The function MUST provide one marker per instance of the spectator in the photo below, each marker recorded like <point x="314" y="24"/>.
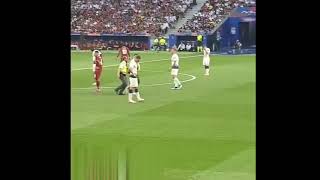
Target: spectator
<point x="211" y="14"/>
<point x="194" y="2"/>
<point x="188" y="47"/>
<point x="162" y="43"/>
<point x="181" y="46"/>
<point x="126" y="16"/>
<point x="156" y="44"/>
<point x="217" y="42"/>
<point x="238" y="46"/>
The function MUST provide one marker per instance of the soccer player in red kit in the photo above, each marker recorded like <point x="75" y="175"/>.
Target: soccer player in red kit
<point x="123" y="53"/>
<point x="93" y="51"/>
<point x="97" y="68"/>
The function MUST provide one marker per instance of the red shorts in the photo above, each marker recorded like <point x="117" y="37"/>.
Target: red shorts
<point x="97" y="74"/>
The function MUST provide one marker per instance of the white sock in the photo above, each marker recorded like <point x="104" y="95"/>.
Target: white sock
<point x="177" y="81"/>
<point x="207" y="71"/>
<point x="138" y="95"/>
<point x="130" y="96"/>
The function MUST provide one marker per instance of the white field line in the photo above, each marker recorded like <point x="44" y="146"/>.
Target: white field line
<point x="147" y="85"/>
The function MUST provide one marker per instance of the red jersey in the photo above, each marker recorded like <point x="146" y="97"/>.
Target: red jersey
<point x="97" y="60"/>
<point x="124" y="52"/>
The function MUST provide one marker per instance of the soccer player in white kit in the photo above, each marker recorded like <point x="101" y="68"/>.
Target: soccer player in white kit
<point x="175" y="69"/>
<point x="133" y="80"/>
<point x="206" y="60"/>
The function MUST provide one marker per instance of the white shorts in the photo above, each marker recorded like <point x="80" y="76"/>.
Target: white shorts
<point x="174" y="72"/>
<point x="133" y="82"/>
<point x="206" y="62"/>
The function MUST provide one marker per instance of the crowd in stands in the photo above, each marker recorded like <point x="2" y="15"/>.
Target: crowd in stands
<point x="211" y="14"/>
<point x="110" y="45"/>
<point x="126" y="16"/>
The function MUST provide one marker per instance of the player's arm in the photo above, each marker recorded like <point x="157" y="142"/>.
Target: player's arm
<point x="139" y="67"/>
<point x="101" y="62"/>
<point x="94" y="64"/>
<point x="101" y="57"/>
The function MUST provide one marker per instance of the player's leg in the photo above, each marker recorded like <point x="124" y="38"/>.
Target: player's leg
<point x="136" y="90"/>
<point x="206" y="64"/>
<point x="135" y="86"/>
<point x="173" y="74"/>
<point x="119" y="90"/>
<point x="123" y="86"/>
<point x="206" y="70"/>
<point x="98" y="74"/>
<point x="94" y="79"/>
<point x="130" y="94"/>
<point x="176" y="81"/>
<point x="131" y="90"/>
<point x="116" y="90"/>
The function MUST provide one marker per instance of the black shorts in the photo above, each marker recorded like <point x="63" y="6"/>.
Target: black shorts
<point x="199" y="43"/>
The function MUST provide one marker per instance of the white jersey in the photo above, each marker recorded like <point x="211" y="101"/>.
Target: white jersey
<point x="133" y="67"/>
<point x="94" y="59"/>
<point x="175" y="61"/>
<point x="206" y="57"/>
<point x="94" y="51"/>
<point x="206" y="53"/>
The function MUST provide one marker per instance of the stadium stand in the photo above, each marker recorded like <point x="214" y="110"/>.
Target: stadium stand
<point x="211" y="14"/>
<point x="126" y="16"/>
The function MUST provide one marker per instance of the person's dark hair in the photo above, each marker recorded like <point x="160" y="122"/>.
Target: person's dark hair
<point x="138" y="57"/>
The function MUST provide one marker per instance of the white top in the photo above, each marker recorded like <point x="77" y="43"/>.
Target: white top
<point x="181" y="46"/>
<point x="206" y="53"/>
<point x="175" y="60"/>
<point x="94" y="51"/>
<point x="133" y="67"/>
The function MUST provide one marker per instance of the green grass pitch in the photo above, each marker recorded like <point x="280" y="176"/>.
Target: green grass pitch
<point x="205" y="131"/>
